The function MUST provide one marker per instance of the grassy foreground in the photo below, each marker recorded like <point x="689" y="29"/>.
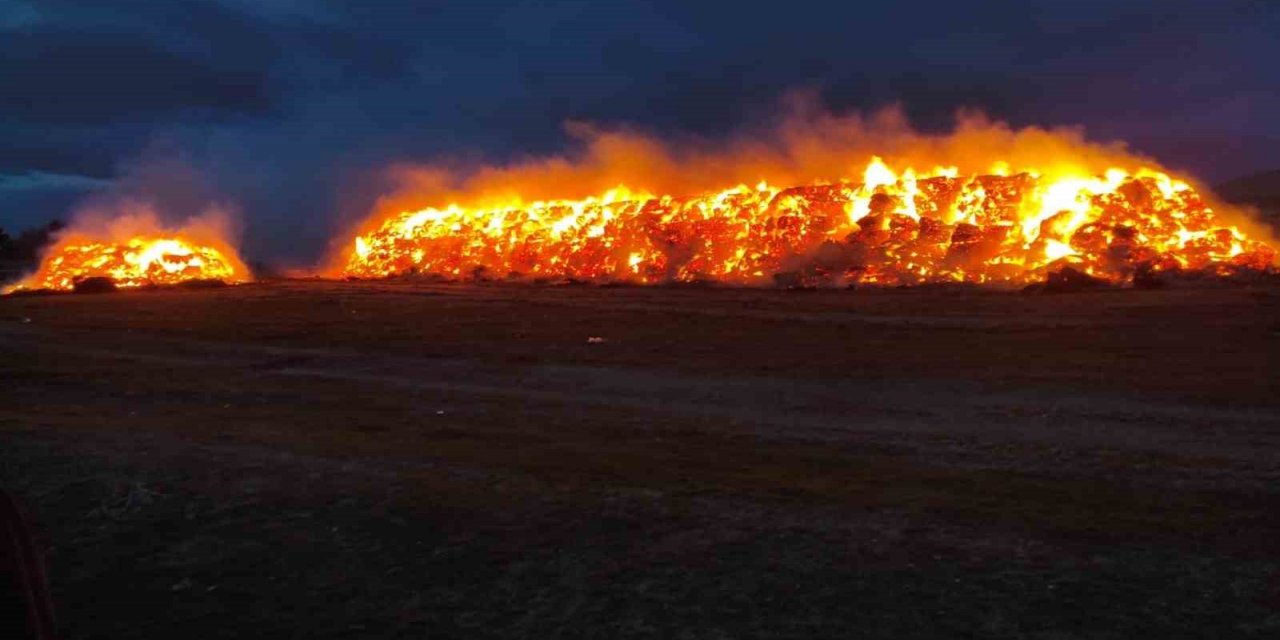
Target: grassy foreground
<point x="322" y="459"/>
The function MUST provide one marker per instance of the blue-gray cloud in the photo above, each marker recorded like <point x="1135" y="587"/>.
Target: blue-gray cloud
<point x="42" y="181"/>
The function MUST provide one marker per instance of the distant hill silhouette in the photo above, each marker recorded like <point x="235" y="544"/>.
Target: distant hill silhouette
<point x="1261" y="190"/>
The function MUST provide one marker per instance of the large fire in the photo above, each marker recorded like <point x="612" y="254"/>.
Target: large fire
<point x="134" y="262"/>
<point x="888" y="228"/>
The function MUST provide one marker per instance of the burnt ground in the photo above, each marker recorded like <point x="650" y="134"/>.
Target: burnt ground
<point x="320" y="459"/>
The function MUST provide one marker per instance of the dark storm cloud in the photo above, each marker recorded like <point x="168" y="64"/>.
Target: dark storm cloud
<point x="288" y="106"/>
<point x="64" y="62"/>
<point x="87" y="87"/>
<point x="67" y="77"/>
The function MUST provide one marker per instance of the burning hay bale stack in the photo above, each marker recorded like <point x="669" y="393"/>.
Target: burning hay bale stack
<point x="90" y="266"/>
<point x="888" y="230"/>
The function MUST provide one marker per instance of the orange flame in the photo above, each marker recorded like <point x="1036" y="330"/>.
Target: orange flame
<point x="134" y="250"/>
<point x="891" y="228"/>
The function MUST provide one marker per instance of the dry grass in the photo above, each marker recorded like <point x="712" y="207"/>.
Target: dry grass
<point x="394" y="459"/>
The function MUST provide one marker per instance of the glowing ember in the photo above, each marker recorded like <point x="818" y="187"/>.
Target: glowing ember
<point x="136" y="262"/>
<point x="890" y="228"/>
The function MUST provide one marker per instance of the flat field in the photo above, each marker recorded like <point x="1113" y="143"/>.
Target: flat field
<point x="327" y="459"/>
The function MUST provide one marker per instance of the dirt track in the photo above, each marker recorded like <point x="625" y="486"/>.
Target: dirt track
<point x="383" y="459"/>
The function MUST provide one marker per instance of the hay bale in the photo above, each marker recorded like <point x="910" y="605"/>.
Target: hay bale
<point x="96" y="284"/>
<point x="1071" y="280"/>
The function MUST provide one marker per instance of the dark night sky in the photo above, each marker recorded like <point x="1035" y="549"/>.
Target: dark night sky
<point x="281" y="106"/>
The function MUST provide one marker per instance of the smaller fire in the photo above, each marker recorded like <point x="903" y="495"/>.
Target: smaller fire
<point x="138" y="261"/>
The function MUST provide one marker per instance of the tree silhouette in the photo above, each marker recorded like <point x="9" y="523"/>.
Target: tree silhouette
<point x="24" y="250"/>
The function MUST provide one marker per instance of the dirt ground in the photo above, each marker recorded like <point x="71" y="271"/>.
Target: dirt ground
<point x="322" y="459"/>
